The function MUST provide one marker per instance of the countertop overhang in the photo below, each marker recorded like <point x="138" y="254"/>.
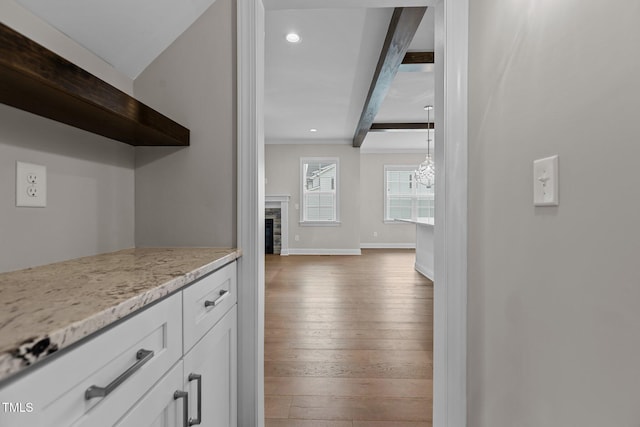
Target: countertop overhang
<point x="48" y="308"/>
<point x="417" y="221"/>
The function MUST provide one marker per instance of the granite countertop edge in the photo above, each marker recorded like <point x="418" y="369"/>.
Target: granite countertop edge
<point x="13" y="361"/>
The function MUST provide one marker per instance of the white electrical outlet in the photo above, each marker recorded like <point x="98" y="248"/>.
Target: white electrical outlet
<point x="375" y="234"/>
<point x="31" y="185"/>
<point x="296" y="238"/>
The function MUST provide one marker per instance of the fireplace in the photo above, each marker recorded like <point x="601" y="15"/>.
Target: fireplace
<point x="268" y="236"/>
<point x="273" y="215"/>
<point x="277" y="208"/>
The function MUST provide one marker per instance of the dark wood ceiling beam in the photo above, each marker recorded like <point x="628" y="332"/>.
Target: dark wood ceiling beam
<point x="37" y="80"/>
<point x="401" y="127"/>
<point x="418" y="58"/>
<point x="415" y="62"/>
<point x="402" y="28"/>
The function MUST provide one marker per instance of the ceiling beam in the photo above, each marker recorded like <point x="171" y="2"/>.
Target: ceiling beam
<point x="402" y="28"/>
<point x="418" y="58"/>
<point x="415" y="62"/>
<point x="401" y="127"/>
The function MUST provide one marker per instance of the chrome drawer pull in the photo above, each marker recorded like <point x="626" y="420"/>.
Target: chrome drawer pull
<point x="223" y="295"/>
<point x="143" y="357"/>
<point x="197" y="377"/>
<point x="185" y="406"/>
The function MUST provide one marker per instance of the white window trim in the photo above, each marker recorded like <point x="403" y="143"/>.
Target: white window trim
<point x="384" y="192"/>
<point x="301" y="177"/>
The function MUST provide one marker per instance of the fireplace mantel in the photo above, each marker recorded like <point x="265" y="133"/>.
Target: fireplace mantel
<point x="281" y="201"/>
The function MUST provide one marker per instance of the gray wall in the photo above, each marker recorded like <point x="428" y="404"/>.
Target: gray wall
<point x="282" y="171"/>
<point x="553" y="292"/>
<point x="187" y="196"/>
<point x="372" y="200"/>
<point x="90" y="207"/>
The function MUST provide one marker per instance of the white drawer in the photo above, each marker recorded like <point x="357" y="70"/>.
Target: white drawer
<point x="206" y="301"/>
<point x="57" y="389"/>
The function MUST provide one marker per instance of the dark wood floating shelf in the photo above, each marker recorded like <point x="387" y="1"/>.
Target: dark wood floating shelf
<point x="34" y="79"/>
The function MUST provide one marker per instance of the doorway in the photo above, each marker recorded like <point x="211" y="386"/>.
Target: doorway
<point x="450" y="234"/>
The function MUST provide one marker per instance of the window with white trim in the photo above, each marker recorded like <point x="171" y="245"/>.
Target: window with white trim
<point x="404" y="197"/>
<point x="319" y="193"/>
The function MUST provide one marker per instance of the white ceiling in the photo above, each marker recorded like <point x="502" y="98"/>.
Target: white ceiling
<point x="128" y="34"/>
<point x="322" y="81"/>
<point x="405" y="101"/>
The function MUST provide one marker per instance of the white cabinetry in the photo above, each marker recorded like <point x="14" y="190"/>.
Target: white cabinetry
<point x="57" y="389"/>
<point x="210" y="343"/>
<point x="214" y="359"/>
<point x="206" y="301"/>
<point x="129" y="374"/>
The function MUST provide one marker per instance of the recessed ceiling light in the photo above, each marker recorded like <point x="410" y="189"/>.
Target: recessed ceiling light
<point x="293" y="38"/>
<point x="313" y="130"/>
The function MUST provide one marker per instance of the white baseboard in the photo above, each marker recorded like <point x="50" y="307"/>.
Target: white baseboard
<point x="387" y="245"/>
<point x="300" y="251"/>
<point x="426" y="272"/>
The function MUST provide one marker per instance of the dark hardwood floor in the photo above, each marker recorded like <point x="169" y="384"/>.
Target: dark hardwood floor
<point x="348" y="341"/>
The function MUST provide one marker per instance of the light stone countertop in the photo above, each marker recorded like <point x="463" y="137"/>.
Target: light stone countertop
<point x="45" y="309"/>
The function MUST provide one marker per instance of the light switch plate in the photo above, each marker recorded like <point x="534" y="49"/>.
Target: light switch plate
<point x="545" y="181"/>
<point x="31" y="185"/>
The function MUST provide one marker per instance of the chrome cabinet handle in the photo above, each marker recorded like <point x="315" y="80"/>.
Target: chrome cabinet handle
<point x="223" y="294"/>
<point x="185" y="406"/>
<point x="143" y="357"/>
<point x="198" y="420"/>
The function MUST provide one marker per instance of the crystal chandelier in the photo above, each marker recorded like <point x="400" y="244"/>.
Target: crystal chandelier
<point x="425" y="174"/>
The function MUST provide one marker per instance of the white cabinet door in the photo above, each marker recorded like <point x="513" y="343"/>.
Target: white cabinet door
<point x="159" y="407"/>
<point x="214" y="359"/>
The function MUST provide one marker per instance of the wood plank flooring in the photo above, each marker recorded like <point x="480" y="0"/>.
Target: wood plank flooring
<point x="348" y="341"/>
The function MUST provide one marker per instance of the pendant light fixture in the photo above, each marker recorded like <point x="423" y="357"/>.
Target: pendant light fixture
<point x="425" y="174"/>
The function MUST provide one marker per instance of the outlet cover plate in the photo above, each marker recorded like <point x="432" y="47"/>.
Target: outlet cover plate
<point x="545" y="181"/>
<point x="31" y="185"/>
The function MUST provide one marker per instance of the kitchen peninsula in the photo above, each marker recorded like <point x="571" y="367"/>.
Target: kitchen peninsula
<point x="424" y="245"/>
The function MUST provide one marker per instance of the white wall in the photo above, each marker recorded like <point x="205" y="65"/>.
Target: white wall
<point x="90" y="178"/>
<point x="282" y="171"/>
<point x="372" y="201"/>
<point x="553" y="321"/>
<point x="187" y="196"/>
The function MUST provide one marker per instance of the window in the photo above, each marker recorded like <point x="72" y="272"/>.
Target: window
<point x="319" y="190"/>
<point x="404" y="197"/>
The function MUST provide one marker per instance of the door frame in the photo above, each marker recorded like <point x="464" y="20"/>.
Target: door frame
<point x="450" y="239"/>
